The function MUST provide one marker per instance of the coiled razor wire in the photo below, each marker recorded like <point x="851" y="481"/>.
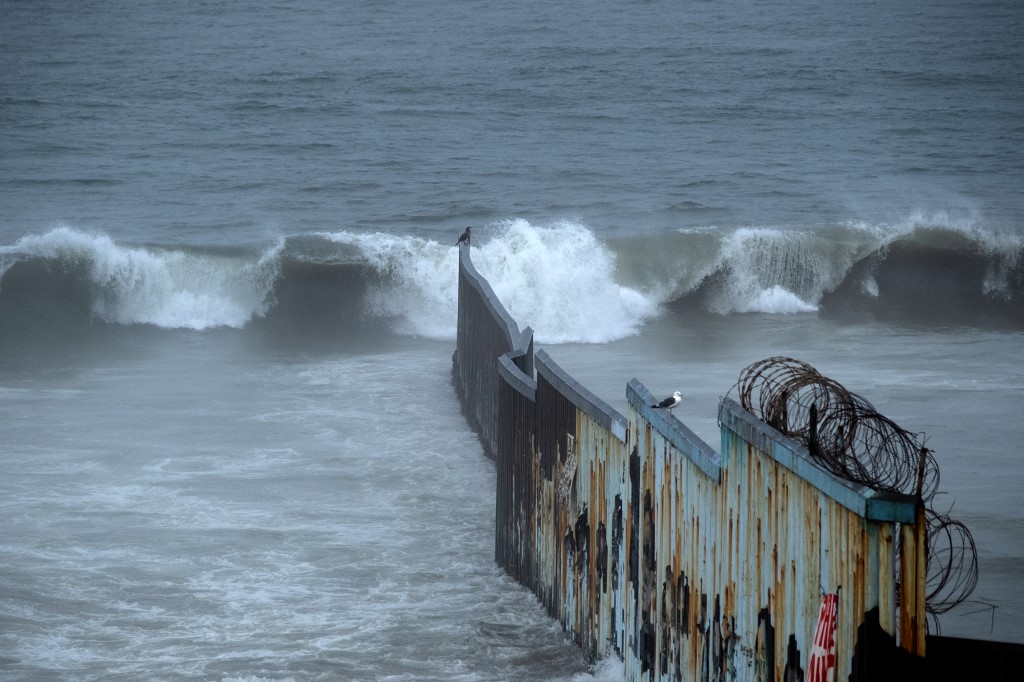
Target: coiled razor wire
<point x="846" y="435"/>
<point x="952" y="562"/>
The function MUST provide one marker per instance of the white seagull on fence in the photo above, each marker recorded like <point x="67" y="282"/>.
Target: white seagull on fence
<point x="670" y="402"/>
<point x="465" y="236"/>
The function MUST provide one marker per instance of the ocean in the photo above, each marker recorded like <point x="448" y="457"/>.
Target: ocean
<point x="230" y="448"/>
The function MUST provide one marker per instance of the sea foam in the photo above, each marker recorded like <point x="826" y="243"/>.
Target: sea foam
<point x="418" y="288"/>
<point x="560" y="280"/>
<point x="775" y="271"/>
<point x="163" y="287"/>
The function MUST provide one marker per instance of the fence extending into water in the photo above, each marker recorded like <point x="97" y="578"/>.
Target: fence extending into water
<point x="687" y="562"/>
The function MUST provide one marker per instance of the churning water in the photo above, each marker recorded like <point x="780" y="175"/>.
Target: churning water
<point x="229" y="446"/>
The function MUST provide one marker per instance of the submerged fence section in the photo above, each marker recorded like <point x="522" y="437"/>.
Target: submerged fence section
<point x="689" y="564"/>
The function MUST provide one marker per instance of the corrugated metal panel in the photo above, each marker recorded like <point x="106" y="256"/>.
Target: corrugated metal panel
<point x="692" y="565"/>
<point x="717" y="537"/>
<point x="485" y="331"/>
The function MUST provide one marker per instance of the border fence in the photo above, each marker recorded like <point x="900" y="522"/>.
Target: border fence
<point x="687" y="563"/>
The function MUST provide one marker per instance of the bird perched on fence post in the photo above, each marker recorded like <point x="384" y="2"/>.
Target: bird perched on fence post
<point x="670" y="402"/>
<point x="465" y="237"/>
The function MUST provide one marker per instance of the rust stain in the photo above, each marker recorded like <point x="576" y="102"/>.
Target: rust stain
<point x="641" y="548"/>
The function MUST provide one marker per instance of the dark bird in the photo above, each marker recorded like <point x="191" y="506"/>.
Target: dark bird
<point x="465" y="236"/>
<point x="670" y="402"/>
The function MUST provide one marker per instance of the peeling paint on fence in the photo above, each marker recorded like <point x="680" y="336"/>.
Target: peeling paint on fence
<point x="690" y="564"/>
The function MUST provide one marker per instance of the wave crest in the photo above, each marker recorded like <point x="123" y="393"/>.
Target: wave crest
<point x="166" y="288"/>
<point x="777" y="271"/>
<point x="417" y="286"/>
<point x="559" y="279"/>
<point x="923" y="267"/>
<point x="563" y="281"/>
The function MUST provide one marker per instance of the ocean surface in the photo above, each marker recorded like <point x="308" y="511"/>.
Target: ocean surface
<point x="229" y="444"/>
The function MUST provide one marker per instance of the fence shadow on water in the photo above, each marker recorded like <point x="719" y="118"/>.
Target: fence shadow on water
<point x="687" y="563"/>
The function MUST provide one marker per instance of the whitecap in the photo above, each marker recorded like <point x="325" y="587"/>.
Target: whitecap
<point x="167" y="288"/>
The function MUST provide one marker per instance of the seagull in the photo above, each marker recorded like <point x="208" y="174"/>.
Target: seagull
<point x="670" y="402"/>
<point x="465" y="237"/>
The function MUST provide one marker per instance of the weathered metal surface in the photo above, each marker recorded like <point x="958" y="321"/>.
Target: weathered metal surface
<point x="485" y="331"/>
<point x="913" y="577"/>
<point x="690" y="564"/>
<point x="846" y="436"/>
<point x="840" y="428"/>
<point x="585" y="401"/>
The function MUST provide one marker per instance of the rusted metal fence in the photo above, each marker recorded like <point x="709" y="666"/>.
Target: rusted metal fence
<point x="485" y="333"/>
<point x="687" y="563"/>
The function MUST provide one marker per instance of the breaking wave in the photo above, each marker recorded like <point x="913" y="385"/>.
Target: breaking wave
<point x="927" y="268"/>
<point x="144" y="285"/>
<point x="561" y="279"/>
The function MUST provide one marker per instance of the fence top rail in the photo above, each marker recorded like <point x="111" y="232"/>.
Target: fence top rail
<point x="525" y="385"/>
<point x="864" y="501"/>
<point x="674" y="431"/>
<point x="483" y="287"/>
<point x="578" y="395"/>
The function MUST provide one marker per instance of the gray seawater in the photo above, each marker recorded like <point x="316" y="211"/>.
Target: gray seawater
<point x="200" y="512"/>
<point x="229" y="445"/>
<point x="215" y="123"/>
